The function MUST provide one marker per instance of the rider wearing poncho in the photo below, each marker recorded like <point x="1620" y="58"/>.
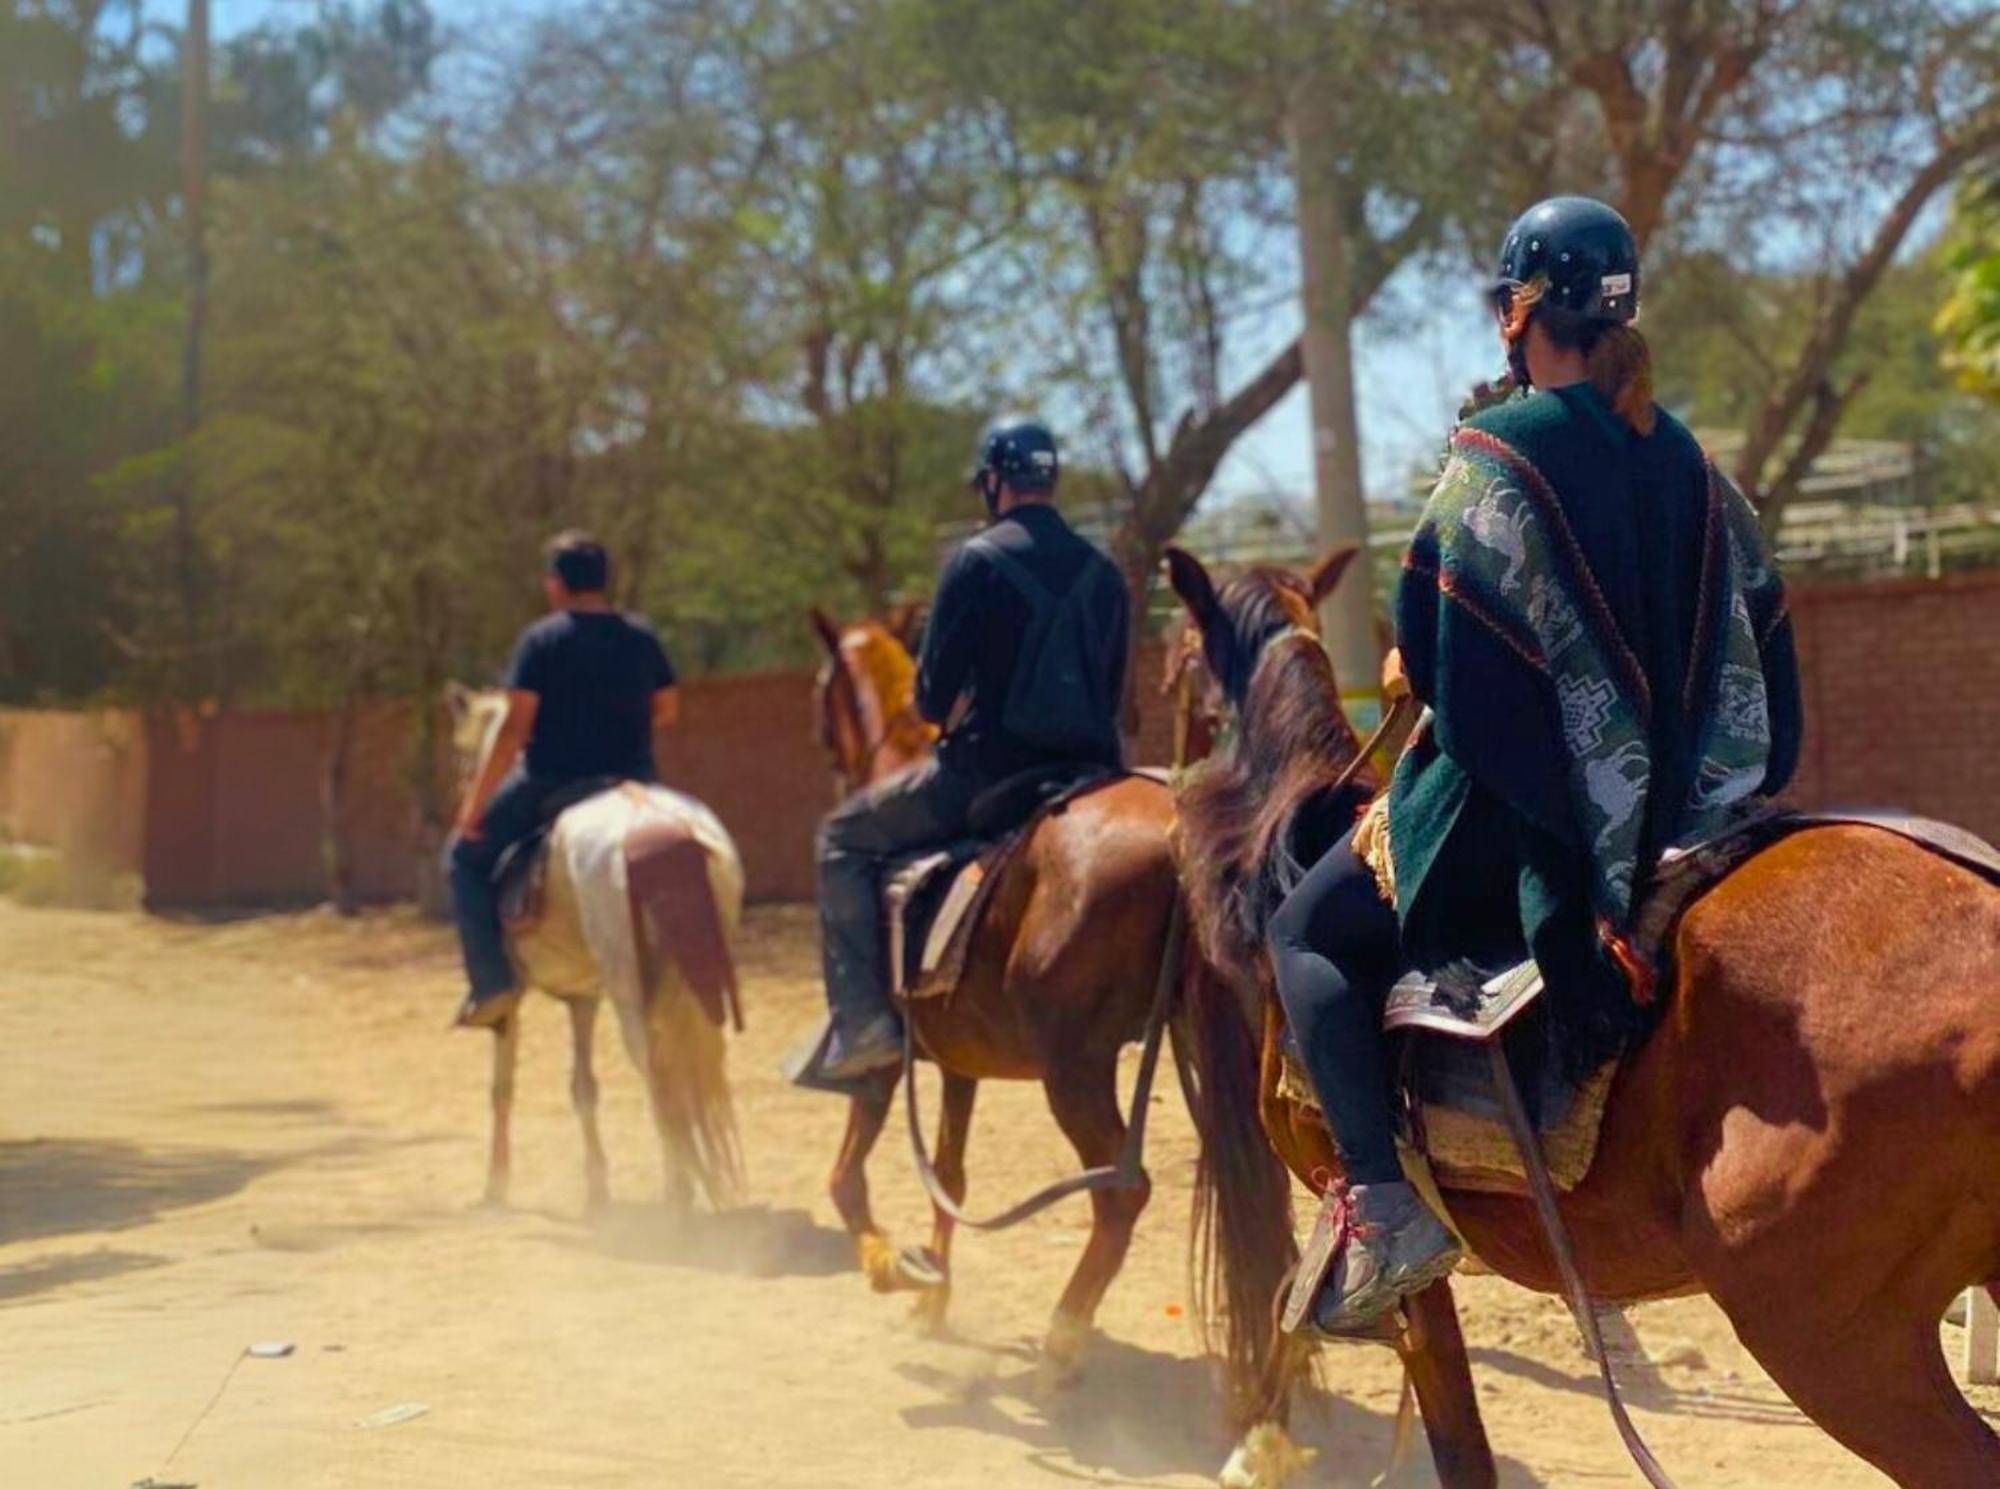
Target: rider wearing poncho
<point x="1589" y="613"/>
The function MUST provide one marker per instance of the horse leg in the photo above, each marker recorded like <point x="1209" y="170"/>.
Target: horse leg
<point x="678" y="1188"/>
<point x="1875" y="1380"/>
<point x="955" y="1127"/>
<point x="583" y="1096"/>
<point x="506" y="1053"/>
<point x="867" y="1110"/>
<point x="1083" y="1095"/>
<point x="1441" y="1374"/>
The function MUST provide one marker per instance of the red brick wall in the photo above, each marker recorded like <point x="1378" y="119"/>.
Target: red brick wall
<point x="1902" y="696"/>
<point x="745" y="747"/>
<point x="1902" y="686"/>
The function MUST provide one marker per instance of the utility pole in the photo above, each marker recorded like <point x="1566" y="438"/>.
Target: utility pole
<point x="194" y="209"/>
<point x="1348" y="617"/>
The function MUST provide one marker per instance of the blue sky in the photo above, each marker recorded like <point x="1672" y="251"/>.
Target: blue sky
<point x="1416" y="357"/>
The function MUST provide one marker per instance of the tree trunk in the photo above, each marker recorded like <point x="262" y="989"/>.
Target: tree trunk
<point x="1348" y="615"/>
<point x="194" y="210"/>
<point x="336" y="846"/>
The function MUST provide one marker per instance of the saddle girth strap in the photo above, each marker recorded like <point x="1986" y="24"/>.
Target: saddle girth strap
<point x="1548" y="1209"/>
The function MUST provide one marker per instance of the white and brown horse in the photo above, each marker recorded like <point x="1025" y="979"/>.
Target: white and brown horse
<point x="641" y="900"/>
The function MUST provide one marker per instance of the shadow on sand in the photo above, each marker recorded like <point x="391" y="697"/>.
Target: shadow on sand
<point x="1137" y="1416"/>
<point x="754" y="1241"/>
<point x="54" y="1186"/>
<point x="24" y="1281"/>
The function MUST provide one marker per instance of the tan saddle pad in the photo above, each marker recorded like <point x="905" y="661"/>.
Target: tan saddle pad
<point x="935" y="903"/>
<point x="1452" y="1113"/>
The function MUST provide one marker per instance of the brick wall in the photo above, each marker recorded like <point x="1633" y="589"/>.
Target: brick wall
<point x="1902" y="697"/>
<point x="1902" y="684"/>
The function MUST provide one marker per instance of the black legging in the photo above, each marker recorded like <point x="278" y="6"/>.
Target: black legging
<point x="1336" y="949"/>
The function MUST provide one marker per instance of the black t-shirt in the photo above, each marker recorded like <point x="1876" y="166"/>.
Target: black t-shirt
<point x="596" y="672"/>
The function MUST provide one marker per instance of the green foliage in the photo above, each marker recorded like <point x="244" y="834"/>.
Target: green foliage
<point x="1969" y="319"/>
<point x="735" y="282"/>
<point x="1720" y="333"/>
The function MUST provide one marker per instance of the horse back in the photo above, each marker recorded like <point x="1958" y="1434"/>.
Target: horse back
<point x="1837" y="1017"/>
<point x="1066" y="951"/>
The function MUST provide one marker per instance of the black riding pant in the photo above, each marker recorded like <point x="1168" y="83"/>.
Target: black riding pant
<point x="1336" y="949"/>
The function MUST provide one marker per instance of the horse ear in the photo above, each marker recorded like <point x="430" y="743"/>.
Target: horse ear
<point x="1191" y="582"/>
<point x="1298" y="610"/>
<point x="829" y="633"/>
<point x="905" y="622"/>
<point x="457" y="700"/>
<point x="1326" y="574"/>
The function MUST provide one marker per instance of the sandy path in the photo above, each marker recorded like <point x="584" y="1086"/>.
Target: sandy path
<point x="216" y="1135"/>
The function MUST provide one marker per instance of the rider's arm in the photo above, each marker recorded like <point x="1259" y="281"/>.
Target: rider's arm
<point x="945" y="666"/>
<point x="1121" y="656"/>
<point x="507" y="747"/>
<point x="1416" y="614"/>
<point x="1779" y="656"/>
<point x="664" y="680"/>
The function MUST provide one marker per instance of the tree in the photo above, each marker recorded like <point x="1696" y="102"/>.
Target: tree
<point x="1152" y="141"/>
<point x="1790" y="131"/>
<point x="819" y="182"/>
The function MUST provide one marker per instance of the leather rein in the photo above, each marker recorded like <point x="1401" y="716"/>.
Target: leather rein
<point x="1129" y="1172"/>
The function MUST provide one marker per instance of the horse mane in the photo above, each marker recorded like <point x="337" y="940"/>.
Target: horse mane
<point x="874" y="658"/>
<point x="1254" y="819"/>
<point x="884" y="663"/>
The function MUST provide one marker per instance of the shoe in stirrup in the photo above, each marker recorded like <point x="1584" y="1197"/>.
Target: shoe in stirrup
<point x="1372" y="1245"/>
<point x="486" y="1012"/>
<point x="877" y="1046"/>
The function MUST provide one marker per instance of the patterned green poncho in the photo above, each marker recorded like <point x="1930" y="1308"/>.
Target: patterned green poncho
<point x="1592" y="620"/>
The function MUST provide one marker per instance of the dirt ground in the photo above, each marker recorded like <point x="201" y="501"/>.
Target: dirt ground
<point x="213" y="1136"/>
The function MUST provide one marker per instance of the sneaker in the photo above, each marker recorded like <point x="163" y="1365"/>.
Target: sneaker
<point x="878" y="1046"/>
<point x="1373" y="1245"/>
<point x="488" y="1012"/>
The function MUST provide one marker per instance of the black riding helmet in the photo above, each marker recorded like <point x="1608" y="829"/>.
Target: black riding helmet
<point x="1015" y="452"/>
<point x="1585" y="251"/>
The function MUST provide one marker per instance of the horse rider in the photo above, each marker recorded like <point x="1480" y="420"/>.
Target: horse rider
<point x="1023" y="667"/>
<point x="1590" y="615"/>
<point x="586" y="689"/>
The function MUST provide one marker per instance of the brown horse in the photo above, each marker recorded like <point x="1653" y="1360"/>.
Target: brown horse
<point x="1061" y="974"/>
<point x="1810" y="1135"/>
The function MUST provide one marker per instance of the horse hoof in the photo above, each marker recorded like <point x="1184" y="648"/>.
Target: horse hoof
<point x="921" y="1268"/>
<point x="1062" y="1353"/>
<point x="928" y="1312"/>
<point x="880" y="1263"/>
<point x="1267" y="1458"/>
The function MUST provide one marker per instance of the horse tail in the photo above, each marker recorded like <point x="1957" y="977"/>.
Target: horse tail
<point x="691" y="1097"/>
<point x="1241" y="1242"/>
<point x="691" y="992"/>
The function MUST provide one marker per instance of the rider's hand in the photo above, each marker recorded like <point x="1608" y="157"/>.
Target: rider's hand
<point x="470" y="827"/>
<point x="1395" y="681"/>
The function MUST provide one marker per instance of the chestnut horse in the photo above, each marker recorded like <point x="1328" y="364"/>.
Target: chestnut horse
<point x="1810" y="1136"/>
<point x="1062" y="973"/>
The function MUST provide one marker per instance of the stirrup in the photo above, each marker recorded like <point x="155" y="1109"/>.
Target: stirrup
<point x="1323" y="1247"/>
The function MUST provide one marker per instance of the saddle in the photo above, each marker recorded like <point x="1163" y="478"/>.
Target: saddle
<point x="934" y="900"/>
<point x="1454" y="1130"/>
<point x="522" y="874"/>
